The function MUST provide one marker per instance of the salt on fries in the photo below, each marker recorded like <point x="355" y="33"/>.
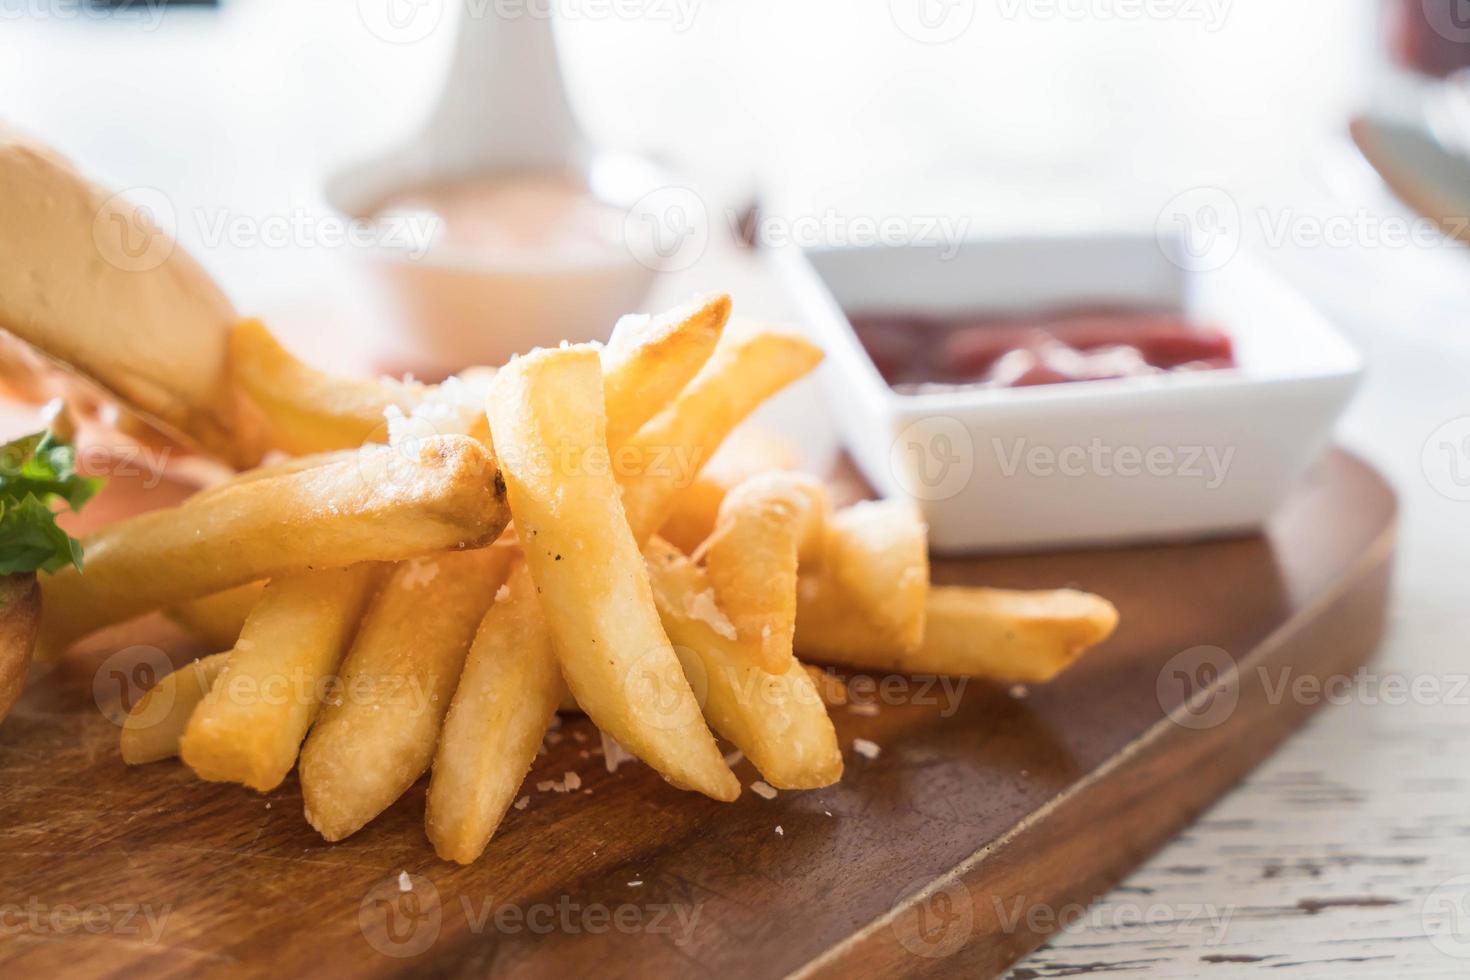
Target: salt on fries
<point x="403" y="643"/>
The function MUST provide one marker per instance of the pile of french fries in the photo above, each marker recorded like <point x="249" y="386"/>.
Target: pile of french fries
<point x="429" y="573"/>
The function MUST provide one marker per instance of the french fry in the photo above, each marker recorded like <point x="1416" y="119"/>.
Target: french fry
<point x="695" y="515"/>
<point x="308" y="410"/>
<point x="373" y="743"/>
<point x="280" y="467"/>
<point x="765" y="525"/>
<point x="871" y="586"/>
<point x="507" y="696"/>
<point x="670" y="347"/>
<point x="503" y="703"/>
<point x="1011" y="636"/>
<point x="249" y="728"/>
<point x="153" y="729"/>
<point x="377" y="507"/>
<point x="994" y="634"/>
<point x="777" y="719"/>
<point x="746" y="453"/>
<point x="672" y="447"/>
<point x="546" y="413"/>
<point x="216" y="620"/>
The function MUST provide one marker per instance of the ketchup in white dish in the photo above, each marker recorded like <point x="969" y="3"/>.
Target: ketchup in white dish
<point x="917" y="352"/>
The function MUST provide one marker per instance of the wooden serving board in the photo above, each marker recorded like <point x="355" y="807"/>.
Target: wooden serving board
<point x="988" y="814"/>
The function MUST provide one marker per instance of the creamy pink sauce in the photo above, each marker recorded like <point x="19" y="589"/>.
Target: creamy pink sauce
<point x="504" y="213"/>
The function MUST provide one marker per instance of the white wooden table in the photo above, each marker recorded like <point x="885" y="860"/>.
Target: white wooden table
<point x="1324" y="861"/>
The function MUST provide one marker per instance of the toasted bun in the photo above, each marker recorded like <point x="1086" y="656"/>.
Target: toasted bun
<point x="89" y="280"/>
<point x="20" y="618"/>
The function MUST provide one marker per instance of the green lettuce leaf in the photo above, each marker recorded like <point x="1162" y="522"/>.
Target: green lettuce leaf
<point x="38" y="473"/>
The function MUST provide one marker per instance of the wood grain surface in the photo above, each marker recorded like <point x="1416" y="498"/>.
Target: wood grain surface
<point x="989" y="817"/>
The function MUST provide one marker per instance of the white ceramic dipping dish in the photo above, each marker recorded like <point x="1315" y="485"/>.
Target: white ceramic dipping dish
<point x="1159" y="457"/>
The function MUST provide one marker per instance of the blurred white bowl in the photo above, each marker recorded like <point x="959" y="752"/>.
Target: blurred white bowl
<point x="1088" y="463"/>
<point x="503" y="110"/>
<point x="452" y="309"/>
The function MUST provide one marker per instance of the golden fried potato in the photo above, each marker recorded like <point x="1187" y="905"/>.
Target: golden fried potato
<point x="154" y="728"/>
<point x="765" y="525"/>
<point x="546" y="414"/>
<point x="379" y="506"/>
<point x="249" y="728"/>
<point x="311" y="411"/>
<point x="871" y="586"/>
<point x="674" y="445"/>
<point x="216" y="620"/>
<point x="507" y="696"/>
<point x="777" y="719"/>
<point x="995" y="634"/>
<point x="373" y="742"/>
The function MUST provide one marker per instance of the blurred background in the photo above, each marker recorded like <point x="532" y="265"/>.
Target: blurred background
<point x="989" y="116"/>
<point x="1033" y="113"/>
